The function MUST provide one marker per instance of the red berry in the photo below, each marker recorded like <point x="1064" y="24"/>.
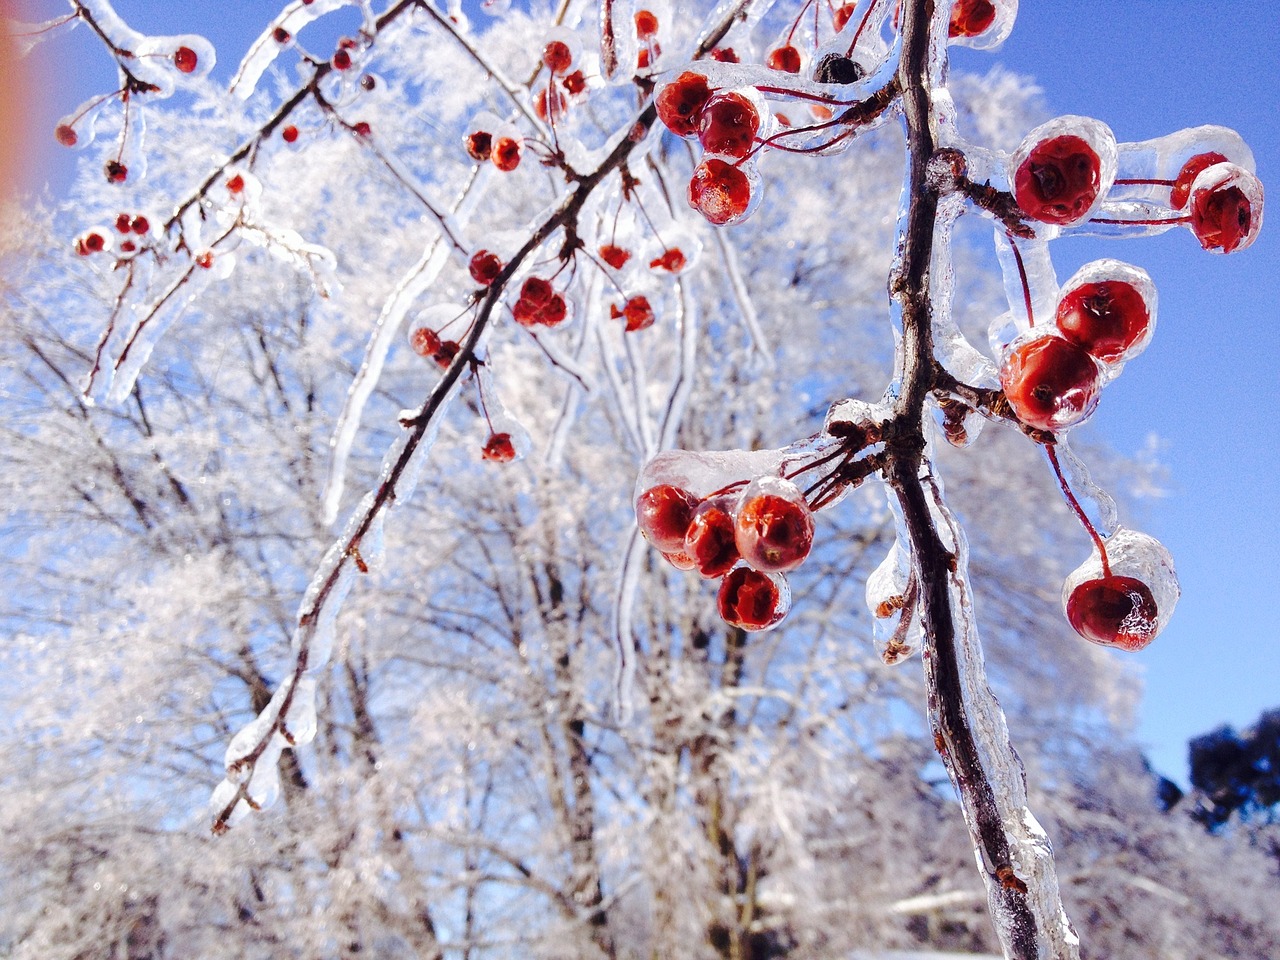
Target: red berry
<point x="842" y="15"/>
<point x="724" y="55"/>
<point x="550" y="104"/>
<point x="280" y="35"/>
<point x="719" y="191"/>
<point x="499" y="448"/>
<point x="341" y="60"/>
<point x="140" y="225"/>
<point x="538" y="303"/>
<point x="124" y="223"/>
<point x="485" y="267"/>
<point x="1104" y="318"/>
<point x="425" y="342"/>
<point x="554" y="313"/>
<point x="204" y="259"/>
<point x="1051" y="383"/>
<point x="128" y="246"/>
<point x="709" y="541"/>
<point x="185" y="59"/>
<point x="1059" y="180"/>
<point x="479" y="145"/>
<point x="1190" y="170"/>
<point x="506" y="153"/>
<point x="971" y="17"/>
<point x="1221" y="217"/>
<point x="680" y="102"/>
<point x="785" y="59"/>
<point x="663" y="514"/>
<point x="774" y="533"/>
<point x="1114" y="611"/>
<point x="289" y="134"/>
<point x="117" y="172"/>
<point x="235" y="184"/>
<point x="91" y="242"/>
<point x="672" y="260"/>
<point x="367" y="82"/>
<point x="557" y="56"/>
<point x="65" y="135"/>
<point x="751" y="600"/>
<point x="574" y="83"/>
<point x="445" y="355"/>
<point x="646" y="24"/>
<point x="537" y="291"/>
<point x="729" y="125"/>
<point x="362" y="129"/>
<point x="681" y="561"/>
<point x="615" y="257"/>
<point x="638" y="314"/>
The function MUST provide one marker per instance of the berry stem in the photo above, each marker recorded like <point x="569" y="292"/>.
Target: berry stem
<point x="857" y="34"/>
<point x="1079" y="511"/>
<point x="1022" y="275"/>
<point x="1141" y="181"/>
<point x="1153" y="222"/>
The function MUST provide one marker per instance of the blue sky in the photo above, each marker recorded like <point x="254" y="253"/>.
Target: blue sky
<point x="1207" y="384"/>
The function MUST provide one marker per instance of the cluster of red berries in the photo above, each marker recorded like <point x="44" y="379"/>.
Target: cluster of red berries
<point x="1104" y="316"/>
<point x="502" y="150"/>
<point x="130" y="226"/>
<point x="646" y="22"/>
<point x="750" y="539"/>
<point x="727" y="124"/>
<point x="427" y="343"/>
<point x="539" y="305"/>
<point x="566" y="85"/>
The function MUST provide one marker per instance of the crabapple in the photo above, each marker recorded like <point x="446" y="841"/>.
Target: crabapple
<point x="140" y="225"/>
<point x="752" y="600"/>
<point x="672" y="260"/>
<point x="724" y="55"/>
<point x="557" y="56"/>
<point x="729" y="124"/>
<point x="719" y="191"/>
<point x="1050" y="382"/>
<point x="1224" y="215"/>
<point x="124" y="223"/>
<point x="185" y="59"/>
<point x="1187" y="175"/>
<point x="710" y="542"/>
<point x="444" y="356"/>
<point x="842" y="15"/>
<point x="92" y="242"/>
<point x="614" y="256"/>
<point x="362" y="129"/>
<point x="1114" y="611"/>
<point x="424" y="341"/>
<point x="785" y="59"/>
<point x="774" y="526"/>
<point x="484" y="267"/>
<point x="637" y="313"/>
<point x="235" y="184"/>
<point x="66" y="135"/>
<point x="1104" y="318"/>
<point x="574" y="83"/>
<point x="280" y="35"/>
<point x="289" y="134"/>
<point x="499" y="448"/>
<point x="550" y="104"/>
<point x="506" y="153"/>
<point x="116" y="171"/>
<point x="341" y="60"/>
<point x="1059" y="180"/>
<point x="479" y="145"/>
<point x="646" y="24"/>
<point x="663" y="514"/>
<point x="680" y="103"/>
<point x="971" y="17"/>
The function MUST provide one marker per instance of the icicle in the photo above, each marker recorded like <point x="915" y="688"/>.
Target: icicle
<point x="682" y="385"/>
<point x="746" y="308"/>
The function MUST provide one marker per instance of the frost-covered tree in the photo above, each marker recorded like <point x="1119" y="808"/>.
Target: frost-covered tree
<point x="327" y="449"/>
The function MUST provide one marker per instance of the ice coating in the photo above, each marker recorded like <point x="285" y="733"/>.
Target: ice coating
<point x="1162" y="159"/>
<point x="1096" y="502"/>
<point x="1006" y="12"/>
<point x="498" y="418"/>
<point x="1215" y="182"/>
<point x="1108" y="270"/>
<point x="264" y="50"/>
<point x="1030" y="286"/>
<point x="1137" y="555"/>
<point x="891" y="594"/>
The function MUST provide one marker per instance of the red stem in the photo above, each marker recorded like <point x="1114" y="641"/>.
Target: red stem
<point x="1075" y="505"/>
<point x="1022" y="273"/>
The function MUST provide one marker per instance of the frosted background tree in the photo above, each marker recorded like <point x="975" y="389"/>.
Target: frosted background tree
<point x="296" y="465"/>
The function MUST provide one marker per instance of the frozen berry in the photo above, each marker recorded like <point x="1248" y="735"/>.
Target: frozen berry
<point x="646" y="24"/>
<point x="680" y="102"/>
<point x="614" y="256"/>
<point x="774" y="533"/>
<point x="204" y="259"/>
<point x="550" y="104"/>
<point x="663" y="514"/>
<point x="709" y="541"/>
<point x="729" y="124"/>
<point x="574" y="83"/>
<point x="1105" y="318"/>
<point x="443" y="357"/>
<point x="724" y="55"/>
<point x="140" y="225"/>
<point x="280" y="35"/>
<point x="91" y="242"/>
<point x="506" y="153"/>
<point x="843" y="15"/>
<point x="124" y="223"/>
<point x="362" y="129"/>
<point x="424" y="341"/>
<point x="479" y="145"/>
<point x="557" y="56"/>
<point x="719" y="191"/>
<point x="499" y="448"/>
<point x="785" y="58"/>
<point x="971" y="17"/>
<point x="1051" y="383"/>
<point x="638" y="314"/>
<point x="752" y="600"/>
<point x="185" y="59"/>
<point x="672" y="260"/>
<point x="65" y="135"/>
<point x="1059" y="180"/>
<point x="1114" y="611"/>
<point x="1187" y="175"/>
<point x="341" y="60"/>
<point x="485" y="267"/>
<point x="289" y="134"/>
<point x="235" y="184"/>
<point x="368" y="82"/>
<point x="117" y="172"/>
<point x="1222" y="216"/>
<point x="681" y="561"/>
